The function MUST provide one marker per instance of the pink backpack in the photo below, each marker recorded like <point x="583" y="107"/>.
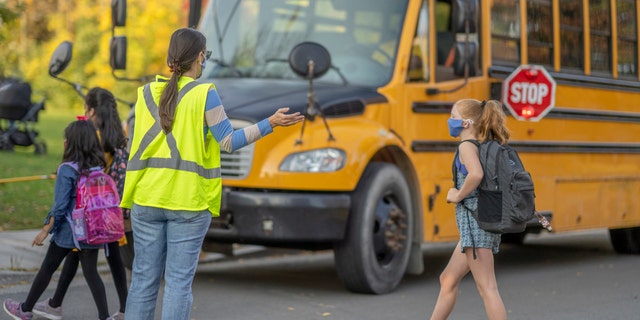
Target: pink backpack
<point x="97" y="217"/>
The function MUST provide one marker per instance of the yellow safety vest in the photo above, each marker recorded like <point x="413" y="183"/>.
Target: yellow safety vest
<point x="179" y="170"/>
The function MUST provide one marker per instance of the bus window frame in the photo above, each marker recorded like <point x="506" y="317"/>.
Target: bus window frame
<point x="634" y="39"/>
<point x="584" y="31"/>
<point x="512" y="36"/>
<point x="421" y="38"/>
<point x="594" y="32"/>
<point x="532" y="43"/>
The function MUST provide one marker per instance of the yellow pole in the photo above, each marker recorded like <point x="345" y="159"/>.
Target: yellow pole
<point x="29" y="178"/>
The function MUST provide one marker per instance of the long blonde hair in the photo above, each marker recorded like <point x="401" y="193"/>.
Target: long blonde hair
<point x="488" y="117"/>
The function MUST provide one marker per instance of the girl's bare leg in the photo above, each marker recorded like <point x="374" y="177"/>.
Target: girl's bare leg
<point x="450" y="278"/>
<point x="484" y="275"/>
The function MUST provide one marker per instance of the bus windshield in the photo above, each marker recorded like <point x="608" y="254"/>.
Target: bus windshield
<point x="253" y="38"/>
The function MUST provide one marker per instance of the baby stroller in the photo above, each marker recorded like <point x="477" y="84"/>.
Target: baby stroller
<point x="18" y="116"/>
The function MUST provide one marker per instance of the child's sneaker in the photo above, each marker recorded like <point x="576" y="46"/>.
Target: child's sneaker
<point x="43" y="309"/>
<point x="13" y="309"/>
<point x="117" y="316"/>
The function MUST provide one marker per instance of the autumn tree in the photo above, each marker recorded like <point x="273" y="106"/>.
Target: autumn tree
<point x="32" y="29"/>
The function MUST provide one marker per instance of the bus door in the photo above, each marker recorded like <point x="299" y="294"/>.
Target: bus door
<point x="438" y="75"/>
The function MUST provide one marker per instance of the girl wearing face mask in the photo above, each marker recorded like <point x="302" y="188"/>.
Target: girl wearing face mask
<point x="472" y="120"/>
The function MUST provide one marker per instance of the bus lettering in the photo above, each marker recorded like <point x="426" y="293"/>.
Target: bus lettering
<point x="528" y="92"/>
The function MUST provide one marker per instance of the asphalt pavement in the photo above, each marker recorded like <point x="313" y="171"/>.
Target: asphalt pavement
<point x="19" y="261"/>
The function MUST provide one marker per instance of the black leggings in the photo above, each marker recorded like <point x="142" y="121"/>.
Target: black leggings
<point x="52" y="260"/>
<point x="71" y="266"/>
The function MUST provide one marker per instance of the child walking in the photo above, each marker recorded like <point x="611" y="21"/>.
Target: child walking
<point x="472" y="120"/>
<point x="100" y="108"/>
<point x="81" y="147"/>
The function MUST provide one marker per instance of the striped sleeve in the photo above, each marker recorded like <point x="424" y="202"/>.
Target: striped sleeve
<point x="221" y="129"/>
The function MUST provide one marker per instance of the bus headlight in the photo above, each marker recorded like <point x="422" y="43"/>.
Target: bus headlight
<point x="320" y="160"/>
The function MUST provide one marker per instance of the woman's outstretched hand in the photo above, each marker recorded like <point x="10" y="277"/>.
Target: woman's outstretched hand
<point x="281" y="118"/>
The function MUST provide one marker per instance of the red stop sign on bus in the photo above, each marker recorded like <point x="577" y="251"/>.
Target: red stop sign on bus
<point x="529" y="92"/>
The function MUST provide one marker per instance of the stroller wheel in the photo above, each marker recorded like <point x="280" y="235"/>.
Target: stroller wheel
<point x="41" y="148"/>
<point x="5" y="144"/>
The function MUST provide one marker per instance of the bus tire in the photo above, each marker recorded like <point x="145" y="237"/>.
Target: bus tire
<point x="373" y="256"/>
<point x="626" y="240"/>
<point x="126" y="251"/>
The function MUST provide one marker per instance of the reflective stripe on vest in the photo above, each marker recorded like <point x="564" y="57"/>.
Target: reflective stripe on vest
<point x="175" y="162"/>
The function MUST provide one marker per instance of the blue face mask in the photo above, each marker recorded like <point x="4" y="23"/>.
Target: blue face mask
<point x="455" y="127"/>
<point x="204" y="64"/>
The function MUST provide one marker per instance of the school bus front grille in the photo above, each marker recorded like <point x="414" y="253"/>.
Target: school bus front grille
<point x="236" y="165"/>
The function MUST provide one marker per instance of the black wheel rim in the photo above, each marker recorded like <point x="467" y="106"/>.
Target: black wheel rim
<point x="389" y="230"/>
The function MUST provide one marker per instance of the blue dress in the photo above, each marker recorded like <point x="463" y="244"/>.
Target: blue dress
<point x="471" y="235"/>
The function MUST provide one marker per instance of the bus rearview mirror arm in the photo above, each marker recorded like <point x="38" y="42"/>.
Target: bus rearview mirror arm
<point x="311" y="112"/>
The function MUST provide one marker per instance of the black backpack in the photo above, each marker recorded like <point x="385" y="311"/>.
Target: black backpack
<point x="506" y="199"/>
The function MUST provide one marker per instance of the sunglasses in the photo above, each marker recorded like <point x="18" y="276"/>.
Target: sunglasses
<point x="207" y="54"/>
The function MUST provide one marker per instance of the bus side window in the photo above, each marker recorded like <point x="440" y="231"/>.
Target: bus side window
<point x="445" y="41"/>
<point x="419" y="60"/>
<point x="505" y="33"/>
<point x="627" y="23"/>
<point x="571" y="36"/>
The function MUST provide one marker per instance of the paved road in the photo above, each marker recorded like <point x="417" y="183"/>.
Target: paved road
<point x="571" y="276"/>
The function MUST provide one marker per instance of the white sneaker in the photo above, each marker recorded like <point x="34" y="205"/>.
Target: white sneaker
<point x="43" y="309"/>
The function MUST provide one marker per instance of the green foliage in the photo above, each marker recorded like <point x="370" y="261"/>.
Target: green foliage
<point x="9" y="11"/>
<point x="32" y="36"/>
<point x="30" y="31"/>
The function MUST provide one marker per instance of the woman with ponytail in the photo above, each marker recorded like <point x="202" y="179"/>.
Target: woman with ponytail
<point x="173" y="183"/>
<point x="472" y="120"/>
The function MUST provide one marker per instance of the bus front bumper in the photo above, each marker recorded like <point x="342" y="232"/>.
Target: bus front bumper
<point x="256" y="217"/>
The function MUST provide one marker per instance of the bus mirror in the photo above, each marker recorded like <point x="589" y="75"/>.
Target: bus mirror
<point x="60" y="58"/>
<point x="465" y="55"/>
<point x="118" y="13"/>
<point x="118" y="53"/>
<point x="302" y="54"/>
<point x="465" y="10"/>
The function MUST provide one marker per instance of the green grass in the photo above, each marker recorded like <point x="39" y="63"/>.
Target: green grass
<point x="24" y="205"/>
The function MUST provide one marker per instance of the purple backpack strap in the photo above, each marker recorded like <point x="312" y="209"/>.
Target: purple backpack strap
<point x="73" y="165"/>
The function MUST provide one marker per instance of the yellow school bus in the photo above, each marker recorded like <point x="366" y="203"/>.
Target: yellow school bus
<point x="366" y="174"/>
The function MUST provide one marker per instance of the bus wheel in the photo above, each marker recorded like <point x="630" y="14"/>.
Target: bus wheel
<point x="126" y="251"/>
<point x="626" y="240"/>
<point x="373" y="256"/>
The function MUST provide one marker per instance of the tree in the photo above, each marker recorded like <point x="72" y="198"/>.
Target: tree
<point x="32" y="29"/>
<point x="9" y="12"/>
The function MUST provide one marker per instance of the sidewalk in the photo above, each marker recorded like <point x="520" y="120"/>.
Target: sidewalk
<point x="19" y="261"/>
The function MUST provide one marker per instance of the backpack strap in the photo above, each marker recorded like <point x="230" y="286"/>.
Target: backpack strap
<point x="455" y="183"/>
<point x="73" y="235"/>
<point x="474" y="141"/>
<point x="73" y="165"/>
<point x="454" y="168"/>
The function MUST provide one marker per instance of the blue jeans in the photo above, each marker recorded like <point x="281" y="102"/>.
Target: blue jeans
<point x="158" y="234"/>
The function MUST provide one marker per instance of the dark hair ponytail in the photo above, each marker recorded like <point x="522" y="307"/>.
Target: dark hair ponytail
<point x="184" y="47"/>
<point x="107" y="119"/>
<point x="82" y="146"/>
